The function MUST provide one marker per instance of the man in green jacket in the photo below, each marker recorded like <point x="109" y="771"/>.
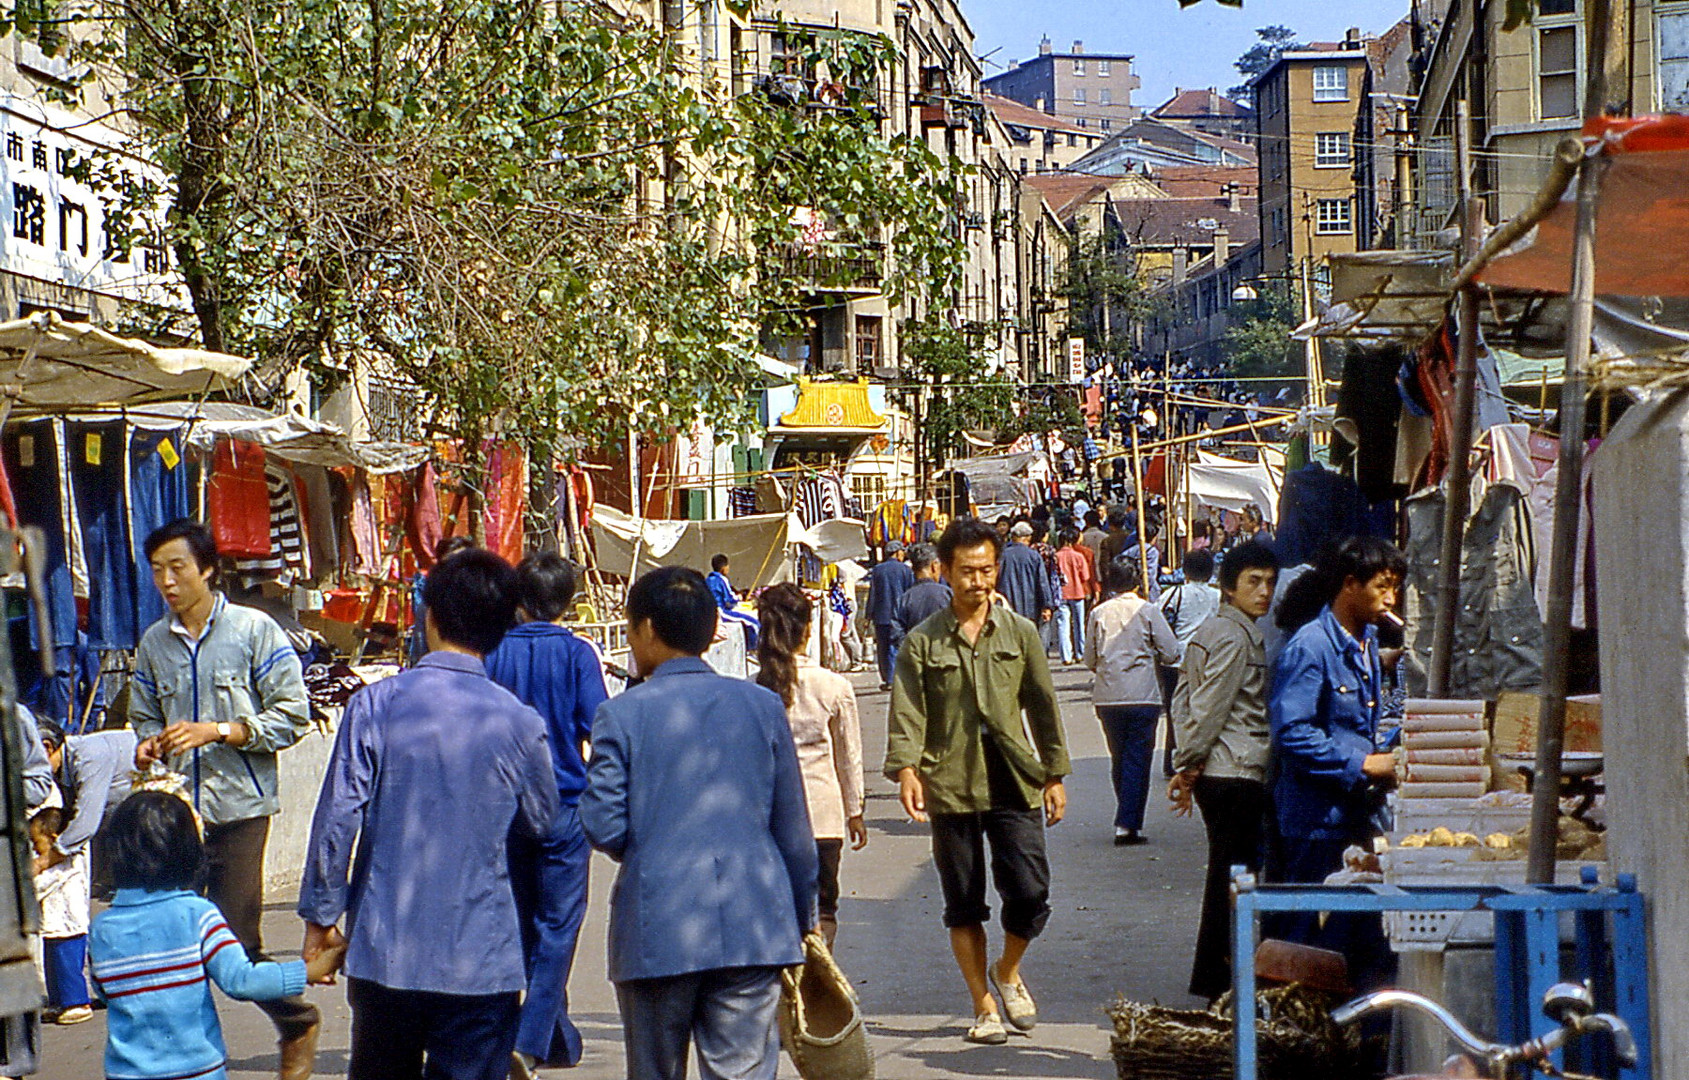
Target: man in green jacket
<point x="958" y="751"/>
<point x="217" y="692"/>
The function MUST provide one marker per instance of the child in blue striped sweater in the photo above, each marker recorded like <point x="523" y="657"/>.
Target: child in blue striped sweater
<point x="155" y="952"/>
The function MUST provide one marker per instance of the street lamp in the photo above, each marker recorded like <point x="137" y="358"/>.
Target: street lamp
<point x="1245" y="293"/>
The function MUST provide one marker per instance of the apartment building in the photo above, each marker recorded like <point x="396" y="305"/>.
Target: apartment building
<point x="1039" y="142"/>
<point x="1091" y="90"/>
<point x="1310" y="104"/>
<point x="1524" y="88"/>
<point x="1208" y="110"/>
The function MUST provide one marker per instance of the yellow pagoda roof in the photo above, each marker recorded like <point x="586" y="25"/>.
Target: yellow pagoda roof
<point x="832" y="405"/>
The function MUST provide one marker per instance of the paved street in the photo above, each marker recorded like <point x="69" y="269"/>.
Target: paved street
<point x="1124" y="922"/>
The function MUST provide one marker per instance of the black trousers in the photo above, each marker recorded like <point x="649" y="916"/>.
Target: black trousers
<point x="234" y="881"/>
<point x="1019" y="868"/>
<point x="1234" y="813"/>
<point x="417" y="1035"/>
<point x="831" y="853"/>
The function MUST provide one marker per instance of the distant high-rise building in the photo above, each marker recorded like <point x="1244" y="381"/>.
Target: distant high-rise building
<point x="1091" y="90"/>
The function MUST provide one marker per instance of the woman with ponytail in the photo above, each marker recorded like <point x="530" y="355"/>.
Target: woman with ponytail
<point x="821" y="707"/>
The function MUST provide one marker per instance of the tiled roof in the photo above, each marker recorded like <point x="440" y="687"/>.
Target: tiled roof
<point x="1207" y="181"/>
<point x="1010" y="111"/>
<point x="1161" y="222"/>
<point x="1187" y="104"/>
<point x="1066" y="192"/>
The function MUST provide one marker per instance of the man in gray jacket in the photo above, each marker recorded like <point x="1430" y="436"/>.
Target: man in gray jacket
<point x="1220" y="712"/>
<point x="217" y="691"/>
<point x="694" y="787"/>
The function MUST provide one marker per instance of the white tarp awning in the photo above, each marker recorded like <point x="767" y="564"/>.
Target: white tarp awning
<point x="50" y="365"/>
<point x="756" y="545"/>
<point x="292" y="438"/>
<point x="1233" y="485"/>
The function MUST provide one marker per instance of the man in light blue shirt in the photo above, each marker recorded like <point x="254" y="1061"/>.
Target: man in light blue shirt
<point x="432" y="771"/>
<point x="694" y="787"/>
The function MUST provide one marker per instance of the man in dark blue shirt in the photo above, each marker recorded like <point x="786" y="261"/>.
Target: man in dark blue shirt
<point x="1024" y="580"/>
<point x="887" y="583"/>
<point x="560" y="675"/>
<point x="929" y="594"/>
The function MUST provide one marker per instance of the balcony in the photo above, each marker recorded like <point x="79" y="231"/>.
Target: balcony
<point x="833" y="266"/>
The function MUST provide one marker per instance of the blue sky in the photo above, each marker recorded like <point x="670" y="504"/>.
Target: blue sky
<point x="1189" y="47"/>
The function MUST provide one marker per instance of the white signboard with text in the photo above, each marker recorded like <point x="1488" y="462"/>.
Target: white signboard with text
<point x="53" y="225"/>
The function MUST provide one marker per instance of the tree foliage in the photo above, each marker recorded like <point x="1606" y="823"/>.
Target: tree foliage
<point x="1273" y="42"/>
<point x="527" y="207"/>
<point x="1258" y="343"/>
<point x="951" y="362"/>
<point x="1103" y="290"/>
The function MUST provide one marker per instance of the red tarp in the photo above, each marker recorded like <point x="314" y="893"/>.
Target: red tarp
<point x="1642" y="227"/>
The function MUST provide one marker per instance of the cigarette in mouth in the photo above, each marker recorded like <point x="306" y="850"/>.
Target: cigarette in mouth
<point x="1395" y="620"/>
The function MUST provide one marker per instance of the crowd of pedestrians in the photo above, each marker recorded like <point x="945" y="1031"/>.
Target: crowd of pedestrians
<point x="447" y="868"/>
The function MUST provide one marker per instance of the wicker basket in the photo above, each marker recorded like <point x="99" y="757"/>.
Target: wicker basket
<point x="1295" y="1037"/>
<point x="820" y="1023"/>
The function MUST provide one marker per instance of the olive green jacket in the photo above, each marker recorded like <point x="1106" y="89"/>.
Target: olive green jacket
<point x="947" y="694"/>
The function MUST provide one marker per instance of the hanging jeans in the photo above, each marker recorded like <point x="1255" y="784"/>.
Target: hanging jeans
<point x="159" y="493"/>
<point x="1130" y="731"/>
<point x="94" y="454"/>
<point x="32" y="461"/>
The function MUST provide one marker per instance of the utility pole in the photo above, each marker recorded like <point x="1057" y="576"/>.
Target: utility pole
<point x="1606" y="54"/>
<point x="1457" y="500"/>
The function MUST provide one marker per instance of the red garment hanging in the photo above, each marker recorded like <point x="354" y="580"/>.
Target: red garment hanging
<point x="238" y="500"/>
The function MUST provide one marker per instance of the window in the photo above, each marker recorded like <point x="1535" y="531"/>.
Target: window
<point x="1331" y="149"/>
<point x="1107" y="125"/>
<point x="1673" y="51"/>
<point x="868" y="350"/>
<point x="1103" y="67"/>
<point x="1081" y="122"/>
<point x="1023" y="166"/>
<point x="1331" y="217"/>
<point x="1079" y="96"/>
<point x="1557" y="71"/>
<point x="1078" y="66"/>
<point x="1072" y="139"/>
<point x="1331" y="83"/>
<point x="1106" y="96"/>
<point x="1557" y="7"/>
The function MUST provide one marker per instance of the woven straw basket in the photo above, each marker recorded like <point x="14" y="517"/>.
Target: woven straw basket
<point x="820" y="1023"/>
<point x="1295" y="1037"/>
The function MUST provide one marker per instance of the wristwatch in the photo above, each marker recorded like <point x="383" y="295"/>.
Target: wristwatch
<point x="224" y="730"/>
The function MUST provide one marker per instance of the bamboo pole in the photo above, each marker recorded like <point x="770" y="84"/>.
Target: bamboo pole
<point x="1457" y="502"/>
<point x="1557" y="631"/>
<point x="1143" y="503"/>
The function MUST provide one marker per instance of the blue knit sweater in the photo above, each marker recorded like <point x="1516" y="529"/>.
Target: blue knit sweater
<point x="154" y="956"/>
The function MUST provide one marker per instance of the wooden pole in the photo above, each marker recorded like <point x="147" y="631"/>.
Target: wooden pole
<point x="1138" y="486"/>
<point x="1457" y="501"/>
<point x="1568" y="493"/>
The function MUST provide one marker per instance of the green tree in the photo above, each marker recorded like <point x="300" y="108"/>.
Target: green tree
<point x="1258" y="344"/>
<point x="1103" y="292"/>
<point x="1273" y="42"/>
<point x="958" y="394"/>
<point x="526" y="207"/>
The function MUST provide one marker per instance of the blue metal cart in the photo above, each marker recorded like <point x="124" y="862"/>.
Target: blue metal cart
<point x="1608" y="931"/>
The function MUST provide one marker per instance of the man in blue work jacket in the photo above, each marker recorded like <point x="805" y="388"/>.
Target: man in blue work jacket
<point x="1326" y="699"/>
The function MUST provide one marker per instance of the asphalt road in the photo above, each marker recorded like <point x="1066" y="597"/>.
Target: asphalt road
<point x="1124" y="923"/>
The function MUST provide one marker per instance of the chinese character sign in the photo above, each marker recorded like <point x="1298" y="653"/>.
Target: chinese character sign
<point x="1076" y="359"/>
<point x="63" y="219"/>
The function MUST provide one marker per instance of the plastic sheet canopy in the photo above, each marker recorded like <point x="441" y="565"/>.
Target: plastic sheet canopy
<point x="48" y="364"/>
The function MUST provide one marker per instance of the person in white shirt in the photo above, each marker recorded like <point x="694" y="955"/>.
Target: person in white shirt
<point x="1125" y="638"/>
<point x="821" y="709"/>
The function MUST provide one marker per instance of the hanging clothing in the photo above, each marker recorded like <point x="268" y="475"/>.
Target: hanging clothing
<point x="366" y="534"/>
<point x="31" y="454"/>
<point x="741" y="502"/>
<point x="1498" y="632"/>
<point x="422" y="513"/>
<point x="322" y="533"/>
<point x="95" y="458"/>
<point x="159" y="492"/>
<point x="1317" y="505"/>
<point x="285" y="561"/>
<point x="506" y="499"/>
<point x="238" y="501"/>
